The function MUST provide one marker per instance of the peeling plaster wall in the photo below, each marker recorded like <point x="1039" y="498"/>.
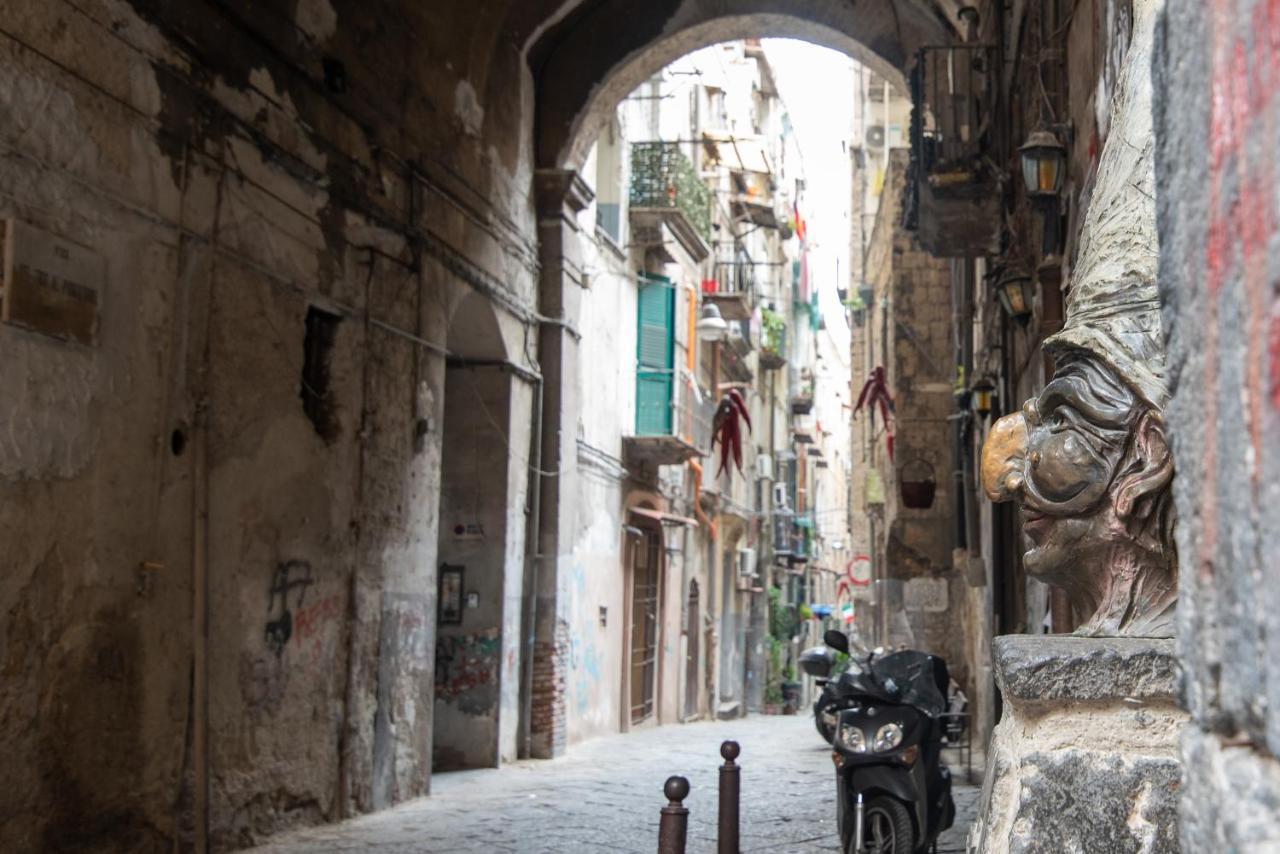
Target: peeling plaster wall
<point x="126" y="127"/>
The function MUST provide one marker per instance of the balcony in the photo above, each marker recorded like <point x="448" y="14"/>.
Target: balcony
<point x="669" y="430"/>
<point x="733" y="287"/>
<point x="739" y="339"/>
<point x="752" y="198"/>
<point x="666" y="191"/>
<point x="773" y="341"/>
<point x="953" y="199"/>
<point x="801" y="538"/>
<point x="783" y="539"/>
<point x="802" y="393"/>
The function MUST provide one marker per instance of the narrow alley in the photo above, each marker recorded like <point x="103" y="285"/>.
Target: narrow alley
<point x="428" y="426"/>
<point x="605" y="794"/>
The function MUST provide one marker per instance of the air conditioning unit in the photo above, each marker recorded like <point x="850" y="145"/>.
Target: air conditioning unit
<point x="779" y="495"/>
<point x="764" y="467"/>
<point x="746" y="563"/>
<point x="875" y="136"/>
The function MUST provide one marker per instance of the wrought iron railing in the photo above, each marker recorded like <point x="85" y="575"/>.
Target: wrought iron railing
<point x="663" y="177"/>
<point x="686" y="415"/>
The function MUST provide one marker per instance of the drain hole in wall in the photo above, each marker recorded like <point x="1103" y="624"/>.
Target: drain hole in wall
<point x="177" y="442"/>
<point x="317" y="354"/>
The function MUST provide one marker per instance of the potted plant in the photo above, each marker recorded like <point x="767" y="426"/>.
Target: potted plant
<point x="857" y="306"/>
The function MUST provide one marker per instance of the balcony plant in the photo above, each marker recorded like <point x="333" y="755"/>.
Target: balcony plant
<point x="772" y="326"/>
<point x="857" y="306"/>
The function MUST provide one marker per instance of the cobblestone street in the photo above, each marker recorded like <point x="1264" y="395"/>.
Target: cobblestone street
<point x="606" y="793"/>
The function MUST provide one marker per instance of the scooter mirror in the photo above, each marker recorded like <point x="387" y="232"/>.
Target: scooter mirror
<point x="836" y="640"/>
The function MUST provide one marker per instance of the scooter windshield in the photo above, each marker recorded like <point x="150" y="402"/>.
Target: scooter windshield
<point x="912" y="677"/>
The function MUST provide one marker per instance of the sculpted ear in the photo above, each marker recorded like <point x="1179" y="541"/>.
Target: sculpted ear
<point x="1150" y="471"/>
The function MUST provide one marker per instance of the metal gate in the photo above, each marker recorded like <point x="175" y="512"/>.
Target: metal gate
<point x="644" y="624"/>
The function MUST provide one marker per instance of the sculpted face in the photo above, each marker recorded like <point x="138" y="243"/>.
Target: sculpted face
<point x="1087" y="463"/>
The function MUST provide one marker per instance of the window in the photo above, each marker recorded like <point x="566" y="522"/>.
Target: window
<point x="655" y="355"/>
<point x="317" y="354"/>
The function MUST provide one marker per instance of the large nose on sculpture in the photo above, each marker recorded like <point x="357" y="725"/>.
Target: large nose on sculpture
<point x="1002" y="458"/>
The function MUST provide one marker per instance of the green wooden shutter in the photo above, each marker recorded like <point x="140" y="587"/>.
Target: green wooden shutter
<point x="655" y="355"/>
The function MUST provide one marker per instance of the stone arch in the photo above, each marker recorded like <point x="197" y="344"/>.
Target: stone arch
<point x="474" y="332"/>
<point x="595" y="57"/>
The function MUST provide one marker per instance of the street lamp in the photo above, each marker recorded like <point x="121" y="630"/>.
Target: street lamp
<point x="1043" y="159"/>
<point x="981" y="396"/>
<point x="1017" y="293"/>
<point x="711" y="326"/>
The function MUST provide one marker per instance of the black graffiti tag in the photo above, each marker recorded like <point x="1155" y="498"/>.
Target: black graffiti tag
<point x="293" y="575"/>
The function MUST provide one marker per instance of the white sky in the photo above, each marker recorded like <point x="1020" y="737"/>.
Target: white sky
<point x="817" y="86"/>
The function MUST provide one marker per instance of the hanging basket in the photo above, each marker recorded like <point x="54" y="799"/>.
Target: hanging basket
<point x="917" y="484"/>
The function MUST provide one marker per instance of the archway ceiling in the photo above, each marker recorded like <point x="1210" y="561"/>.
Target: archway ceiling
<point x="587" y="55"/>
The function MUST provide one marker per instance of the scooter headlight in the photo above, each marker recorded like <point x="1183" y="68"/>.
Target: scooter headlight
<point x="887" y="738"/>
<point x="852" y="739"/>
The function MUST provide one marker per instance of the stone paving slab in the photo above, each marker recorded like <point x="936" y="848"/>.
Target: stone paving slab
<point x="604" y="796"/>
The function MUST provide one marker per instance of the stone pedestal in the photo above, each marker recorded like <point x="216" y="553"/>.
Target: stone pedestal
<point x="1086" y="755"/>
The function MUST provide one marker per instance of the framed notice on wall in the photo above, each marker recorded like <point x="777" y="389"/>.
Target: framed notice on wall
<point x="49" y="284"/>
<point x="450" y="594"/>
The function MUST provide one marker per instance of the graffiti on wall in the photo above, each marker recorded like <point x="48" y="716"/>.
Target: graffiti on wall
<point x="1242" y="219"/>
<point x="289" y="583"/>
<point x="584" y="657"/>
<point x="467" y="671"/>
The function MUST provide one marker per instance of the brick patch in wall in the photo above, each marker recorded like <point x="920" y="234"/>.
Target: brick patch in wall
<point x="550" y="663"/>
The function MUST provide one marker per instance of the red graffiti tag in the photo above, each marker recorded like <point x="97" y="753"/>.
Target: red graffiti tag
<point x="310" y="620"/>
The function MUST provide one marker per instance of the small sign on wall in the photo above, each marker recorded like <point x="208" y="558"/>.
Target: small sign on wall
<point x="50" y="285"/>
<point x="468" y="531"/>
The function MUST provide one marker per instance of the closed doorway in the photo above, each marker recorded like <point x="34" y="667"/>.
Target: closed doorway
<point x="692" y="632"/>
<point x="644" y="623"/>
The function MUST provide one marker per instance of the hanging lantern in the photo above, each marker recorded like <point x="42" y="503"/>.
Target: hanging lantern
<point x="1017" y="293"/>
<point x="982" y="396"/>
<point x="1043" y="163"/>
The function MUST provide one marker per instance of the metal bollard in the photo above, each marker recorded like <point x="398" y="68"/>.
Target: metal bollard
<point x="729" y="790"/>
<point x="674" y="824"/>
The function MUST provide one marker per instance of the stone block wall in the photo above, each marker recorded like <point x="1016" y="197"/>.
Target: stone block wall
<point x="1217" y="71"/>
<point x="235" y="166"/>
<point x="909" y="331"/>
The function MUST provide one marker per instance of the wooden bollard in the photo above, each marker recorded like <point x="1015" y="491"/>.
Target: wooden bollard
<point x="729" y="791"/>
<point x="673" y="827"/>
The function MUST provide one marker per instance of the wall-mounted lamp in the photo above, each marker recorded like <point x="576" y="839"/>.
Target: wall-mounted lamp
<point x="982" y="396"/>
<point x="1044" y="161"/>
<point x="1017" y="294"/>
<point x="711" y="326"/>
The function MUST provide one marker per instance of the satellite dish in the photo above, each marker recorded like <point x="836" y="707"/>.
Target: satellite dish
<point x="875" y="136"/>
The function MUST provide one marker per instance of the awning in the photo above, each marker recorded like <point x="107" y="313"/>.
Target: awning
<point x="664" y="518"/>
<point x="740" y="153"/>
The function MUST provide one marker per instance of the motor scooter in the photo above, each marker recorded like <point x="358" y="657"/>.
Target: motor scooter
<point x="893" y="793"/>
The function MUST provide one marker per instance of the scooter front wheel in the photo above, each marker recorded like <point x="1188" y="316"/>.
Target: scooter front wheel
<point x="887" y="829"/>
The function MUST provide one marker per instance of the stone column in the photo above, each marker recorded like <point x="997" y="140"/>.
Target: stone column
<point x="560" y="194"/>
<point x="1086" y="754"/>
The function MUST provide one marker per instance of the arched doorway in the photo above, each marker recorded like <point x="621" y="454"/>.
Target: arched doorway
<point x="479" y="584"/>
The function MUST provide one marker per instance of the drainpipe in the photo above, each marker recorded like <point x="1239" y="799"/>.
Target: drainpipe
<point x="698" y="513"/>
<point x="200" y="629"/>
<point x="533" y="556"/>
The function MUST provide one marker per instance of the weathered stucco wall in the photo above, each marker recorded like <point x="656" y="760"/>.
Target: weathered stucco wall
<point x="1217" y="73"/>
<point x="235" y="165"/>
